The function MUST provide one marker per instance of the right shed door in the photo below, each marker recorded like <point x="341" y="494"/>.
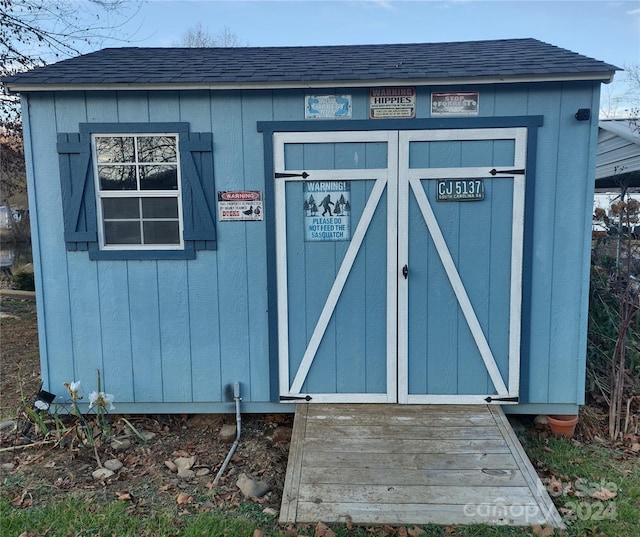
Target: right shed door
<point x="460" y="242"/>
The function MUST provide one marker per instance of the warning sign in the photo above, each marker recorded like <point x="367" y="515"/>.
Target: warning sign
<point x="392" y="103"/>
<point x="239" y="206"/>
<point x="327" y="210"/>
<point x="462" y="103"/>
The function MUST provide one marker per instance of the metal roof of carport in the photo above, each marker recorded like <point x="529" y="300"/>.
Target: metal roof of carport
<point x="618" y="154"/>
<point x="478" y="62"/>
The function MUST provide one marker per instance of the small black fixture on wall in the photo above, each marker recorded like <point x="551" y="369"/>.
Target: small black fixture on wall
<point x="583" y="114"/>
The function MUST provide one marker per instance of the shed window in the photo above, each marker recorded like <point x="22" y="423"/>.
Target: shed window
<point x="138" y="191"/>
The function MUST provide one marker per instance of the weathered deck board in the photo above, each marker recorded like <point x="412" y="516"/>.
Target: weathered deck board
<point x="320" y="430"/>
<point x="396" y="445"/>
<point x="289" y="508"/>
<point x="408" y="476"/>
<point x="418" y="513"/>
<point x="410" y="464"/>
<point x="435" y="461"/>
<point x="401" y="494"/>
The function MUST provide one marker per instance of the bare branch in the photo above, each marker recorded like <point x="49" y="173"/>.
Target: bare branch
<point x="198" y="37"/>
<point x="34" y="33"/>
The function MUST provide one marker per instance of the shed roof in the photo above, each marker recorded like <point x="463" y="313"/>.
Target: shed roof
<point x="508" y="60"/>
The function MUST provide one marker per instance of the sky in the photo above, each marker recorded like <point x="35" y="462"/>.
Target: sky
<point x="608" y="30"/>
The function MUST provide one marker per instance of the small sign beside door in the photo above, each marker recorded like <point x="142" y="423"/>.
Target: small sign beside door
<point x="240" y="206"/>
<point x="327" y="210"/>
<point x="460" y="190"/>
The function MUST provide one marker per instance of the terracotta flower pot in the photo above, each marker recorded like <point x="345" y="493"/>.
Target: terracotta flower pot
<point x="563" y="425"/>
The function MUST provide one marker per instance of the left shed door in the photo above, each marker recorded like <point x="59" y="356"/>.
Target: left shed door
<point x="336" y="229"/>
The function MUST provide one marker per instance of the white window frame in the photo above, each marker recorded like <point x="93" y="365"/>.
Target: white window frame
<point x="139" y="194"/>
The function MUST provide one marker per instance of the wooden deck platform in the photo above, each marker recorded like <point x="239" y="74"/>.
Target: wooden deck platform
<point x="409" y="464"/>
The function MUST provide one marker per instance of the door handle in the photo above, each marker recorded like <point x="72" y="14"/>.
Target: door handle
<point x="405" y="271"/>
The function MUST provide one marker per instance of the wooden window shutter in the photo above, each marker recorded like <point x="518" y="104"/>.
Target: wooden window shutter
<point x="78" y="194"/>
<point x="196" y="153"/>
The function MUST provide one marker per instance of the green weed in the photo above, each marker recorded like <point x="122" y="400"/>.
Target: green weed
<point x="596" y="488"/>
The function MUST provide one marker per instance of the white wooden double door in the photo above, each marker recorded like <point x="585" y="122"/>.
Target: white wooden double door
<point x="395" y="282"/>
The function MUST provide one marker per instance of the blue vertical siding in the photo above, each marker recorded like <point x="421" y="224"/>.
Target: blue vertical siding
<point x="256" y="106"/>
<point x="81" y="273"/>
<point x="202" y="277"/>
<point x="547" y="102"/>
<point x="173" y="304"/>
<point x="233" y="294"/>
<point x="204" y="329"/>
<point x="142" y="290"/>
<point x="54" y="312"/>
<point x="115" y="314"/>
<point x="183" y="331"/>
<point x="569" y="280"/>
<point x="499" y="256"/>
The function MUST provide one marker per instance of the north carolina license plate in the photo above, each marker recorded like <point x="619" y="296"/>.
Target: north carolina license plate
<point x="460" y="190"/>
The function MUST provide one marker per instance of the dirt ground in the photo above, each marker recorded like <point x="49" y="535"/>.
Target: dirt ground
<point x="19" y="358"/>
<point x="34" y="465"/>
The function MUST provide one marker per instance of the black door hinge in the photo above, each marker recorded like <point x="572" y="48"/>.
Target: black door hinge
<point x="507" y="172"/>
<point x="279" y="175"/>
<point x="490" y="399"/>
<point x="295" y="398"/>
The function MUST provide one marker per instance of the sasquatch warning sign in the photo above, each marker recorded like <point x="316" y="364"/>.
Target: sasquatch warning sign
<point x="327" y="210"/>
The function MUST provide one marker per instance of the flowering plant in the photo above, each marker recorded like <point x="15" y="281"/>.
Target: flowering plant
<point x="102" y="402"/>
<point x="74" y="389"/>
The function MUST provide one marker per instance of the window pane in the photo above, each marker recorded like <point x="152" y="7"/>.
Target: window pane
<point x="158" y="177"/>
<point x="157" y="149"/>
<point x="161" y="233"/>
<point x="160" y="207"/>
<point x="117" y="177"/>
<point x="119" y="208"/>
<point x="122" y="233"/>
<point x="115" y="149"/>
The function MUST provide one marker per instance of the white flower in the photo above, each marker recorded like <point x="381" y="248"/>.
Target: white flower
<point x="93" y="398"/>
<point x="41" y="405"/>
<point x="101" y="400"/>
<point x="109" y="398"/>
<point x="74" y="388"/>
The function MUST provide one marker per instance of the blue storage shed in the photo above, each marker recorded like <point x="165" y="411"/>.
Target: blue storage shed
<point x="401" y="223"/>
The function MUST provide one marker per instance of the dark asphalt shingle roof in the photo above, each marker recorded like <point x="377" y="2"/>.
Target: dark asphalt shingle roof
<point x="304" y="65"/>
